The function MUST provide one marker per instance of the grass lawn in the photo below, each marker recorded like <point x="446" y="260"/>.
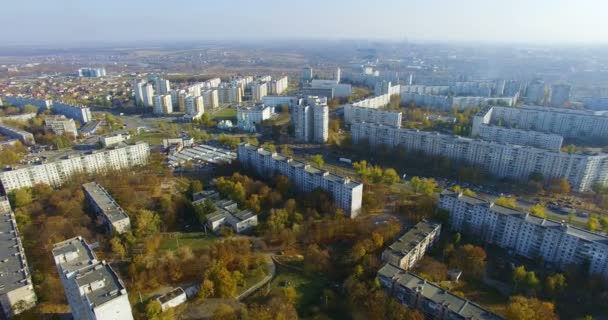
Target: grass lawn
<point x="310" y="289"/>
<point x="228" y="113"/>
<point x="194" y="240"/>
<point x="484" y="295"/>
<point x="152" y="138"/>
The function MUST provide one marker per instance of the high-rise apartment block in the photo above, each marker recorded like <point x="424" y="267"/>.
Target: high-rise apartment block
<point x="554" y="242"/>
<point x="57" y="172"/>
<point x="92" y="72"/>
<point x="60" y="125"/>
<point x="230" y="93"/>
<point x="346" y="193"/>
<point x="113" y="216"/>
<point x="148" y="95"/>
<point x="278" y="86"/>
<point x="354" y="114"/>
<point x="548" y="141"/>
<point x="163" y="104"/>
<point x="195" y="106"/>
<point x="259" y="90"/>
<point x="535" y="93"/>
<point x="502" y="160"/>
<point x="560" y="95"/>
<point x="210" y="98"/>
<point x="93" y="290"/>
<point x="310" y="117"/>
<point x="16" y="288"/>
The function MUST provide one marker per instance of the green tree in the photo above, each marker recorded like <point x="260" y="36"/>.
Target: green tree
<point x="207" y="289"/>
<point x="153" y="310"/>
<point x="522" y="308"/>
<point x="506" y="202"/>
<point x="317" y="160"/>
<point x="118" y="248"/>
<point x="224" y="312"/>
<point x="20" y="197"/>
<point x="390" y="176"/>
<point x="538" y="210"/>
<point x="555" y="284"/>
<point x="593" y="224"/>
<point x="146" y="223"/>
<point x="425" y="186"/>
<point x="224" y="283"/>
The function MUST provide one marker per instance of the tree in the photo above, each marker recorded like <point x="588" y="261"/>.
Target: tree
<point x="290" y="294"/>
<point x="317" y="160"/>
<point x="207" y="289"/>
<point x="470" y="259"/>
<point x="118" y="248"/>
<point x="20" y="197"/>
<point x="390" y="176"/>
<point x="538" y="210"/>
<point x="195" y="186"/>
<point x="506" y="202"/>
<point x="555" y="284"/>
<point x="469" y="192"/>
<point x="270" y="147"/>
<point x="425" y="186"/>
<point x="593" y="224"/>
<point x="522" y="308"/>
<point x="146" y="223"/>
<point x="224" y="312"/>
<point x="519" y="275"/>
<point x="153" y="310"/>
<point x="224" y="283"/>
<point x="286" y="150"/>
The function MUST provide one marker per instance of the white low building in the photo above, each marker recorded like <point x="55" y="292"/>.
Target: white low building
<point x="172" y="299"/>
<point x="250" y="117"/>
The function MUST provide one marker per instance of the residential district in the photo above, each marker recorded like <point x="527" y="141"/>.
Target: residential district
<point x="359" y="187"/>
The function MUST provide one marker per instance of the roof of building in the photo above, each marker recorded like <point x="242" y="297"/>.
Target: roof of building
<point x="14" y="271"/>
<point x="436" y="294"/>
<point x="171" y="295"/>
<point x="389" y="270"/>
<point x="75" y="254"/>
<point x="409" y="240"/>
<point x="104" y="201"/>
<point x="102" y="281"/>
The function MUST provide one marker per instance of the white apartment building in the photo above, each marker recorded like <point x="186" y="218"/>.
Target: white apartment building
<point x="163" y="104"/>
<point x="114" y="139"/>
<point x="502" y="160"/>
<point x="57" y="172"/>
<point x="16" y="288"/>
<point x="259" y="90"/>
<point x="339" y="89"/>
<point x="195" y="106"/>
<point x="346" y="193"/>
<point x="210" y="98"/>
<point x="310" y="117"/>
<point x="23" y="101"/>
<point x="230" y="93"/>
<point x="278" y="86"/>
<point x="93" y="290"/>
<point x="548" y="141"/>
<point x="79" y="113"/>
<point x="148" y="95"/>
<point x="386" y="87"/>
<point x="164" y="86"/>
<point x="374" y="102"/>
<point x="138" y="92"/>
<point x="60" y="125"/>
<point x="114" y="217"/>
<point x="274" y="101"/>
<point x="566" y="122"/>
<point x="558" y="244"/>
<point x="25" y="137"/>
<point x="250" y="117"/>
<point x="354" y="114"/>
<point x="412" y="245"/>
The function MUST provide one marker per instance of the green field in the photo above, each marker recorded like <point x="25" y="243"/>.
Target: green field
<point x="225" y="114"/>
<point x="152" y="138"/>
<point x="194" y="240"/>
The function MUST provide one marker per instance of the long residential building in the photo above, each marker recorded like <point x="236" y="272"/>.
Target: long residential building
<point x="79" y="113"/>
<point x="434" y="301"/>
<point x="582" y="171"/>
<point x="548" y="141"/>
<point x="412" y="245"/>
<point x="23" y="101"/>
<point x="556" y="243"/>
<point x="93" y="290"/>
<point x="346" y="193"/>
<point x="57" y="172"/>
<point x="566" y="122"/>
<point x="16" y="288"/>
<point x="447" y="103"/>
<point x="113" y="216"/>
<point x="15" y="133"/>
<point x="354" y="114"/>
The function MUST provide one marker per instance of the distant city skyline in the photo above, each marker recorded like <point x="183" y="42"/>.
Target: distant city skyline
<point x="520" y="21"/>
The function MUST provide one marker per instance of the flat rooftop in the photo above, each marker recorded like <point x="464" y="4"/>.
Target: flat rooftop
<point x="409" y="240"/>
<point x="103" y="283"/>
<point x="103" y="200"/>
<point x="13" y="266"/>
<point x="73" y="254"/>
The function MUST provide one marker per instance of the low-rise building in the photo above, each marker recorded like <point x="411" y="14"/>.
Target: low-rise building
<point x="172" y="299"/>
<point x="15" y="133"/>
<point x="432" y="300"/>
<point x="60" y="125"/>
<point x="250" y="117"/>
<point x="346" y="193"/>
<point x="16" y="287"/>
<point x="412" y="245"/>
<point x="92" y="288"/>
<point x="114" y="139"/>
<point x="113" y="216"/>
<point x="226" y="213"/>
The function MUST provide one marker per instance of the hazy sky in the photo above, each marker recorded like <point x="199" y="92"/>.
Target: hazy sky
<point x="535" y="21"/>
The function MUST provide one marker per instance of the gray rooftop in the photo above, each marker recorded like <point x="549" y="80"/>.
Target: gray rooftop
<point x="102" y="281"/>
<point x="104" y="201"/>
<point x="13" y="266"/>
<point x="73" y="254"/>
<point x="412" y="238"/>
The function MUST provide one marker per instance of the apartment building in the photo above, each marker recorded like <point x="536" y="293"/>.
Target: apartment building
<point x="92" y="288"/>
<point x="432" y="300"/>
<point x="412" y="245"/>
<point x="23" y="101"/>
<point x="447" y="103"/>
<point x="560" y="95"/>
<point x="56" y="172"/>
<point x="502" y="160"/>
<point x="275" y="101"/>
<point x="354" y="114"/>
<point x="346" y="193"/>
<point x="24" y="117"/>
<point x="92" y="72"/>
<point x="113" y="216"/>
<point x="374" y="102"/>
<point x="568" y="123"/>
<point x="163" y="104"/>
<point x="548" y="141"/>
<point x="250" y="117"/>
<point x="310" y="117"/>
<point x="16" y="287"/>
<point x="78" y="113"/>
<point x="226" y="213"/>
<point x="195" y="106"/>
<point x="148" y="95"/>
<point x="386" y="87"/>
<point x="556" y="243"/>
<point x="114" y="139"/>
<point x="258" y="91"/>
<point x="278" y="86"/>
<point x="15" y="133"/>
<point x="60" y="125"/>
<point x="210" y="98"/>
<point x="230" y="93"/>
